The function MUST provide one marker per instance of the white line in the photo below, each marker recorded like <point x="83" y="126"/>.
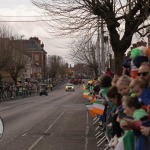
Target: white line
<point x="24" y="134"/>
<point x="54" y="122"/>
<point x="36" y="142"/>
<point x="87" y="131"/>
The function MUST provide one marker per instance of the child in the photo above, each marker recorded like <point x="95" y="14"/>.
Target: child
<point x="132" y="108"/>
<point x="123" y="85"/>
<point x="115" y="97"/>
<point x="114" y="80"/>
<point x="138" y="87"/>
<point x="105" y="84"/>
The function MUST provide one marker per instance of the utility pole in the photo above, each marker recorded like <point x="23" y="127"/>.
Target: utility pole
<point x="98" y="46"/>
<point x="102" y="46"/>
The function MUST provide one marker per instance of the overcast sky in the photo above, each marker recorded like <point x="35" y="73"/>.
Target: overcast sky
<point x="31" y="29"/>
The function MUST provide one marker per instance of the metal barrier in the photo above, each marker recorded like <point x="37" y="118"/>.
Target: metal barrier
<point x="6" y="95"/>
<point x="102" y="134"/>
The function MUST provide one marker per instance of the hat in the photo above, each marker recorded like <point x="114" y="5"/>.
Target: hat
<point x="137" y="61"/>
<point x="126" y="63"/>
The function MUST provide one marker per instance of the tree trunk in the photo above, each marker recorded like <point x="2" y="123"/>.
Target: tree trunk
<point x="118" y="62"/>
<point x="96" y="72"/>
<point x="15" y="79"/>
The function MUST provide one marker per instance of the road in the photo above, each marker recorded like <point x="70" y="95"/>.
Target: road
<point x="58" y="121"/>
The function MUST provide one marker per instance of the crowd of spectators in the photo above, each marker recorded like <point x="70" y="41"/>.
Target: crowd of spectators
<point x="128" y="98"/>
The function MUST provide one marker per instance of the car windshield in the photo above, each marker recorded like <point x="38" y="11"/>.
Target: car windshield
<point x="69" y="84"/>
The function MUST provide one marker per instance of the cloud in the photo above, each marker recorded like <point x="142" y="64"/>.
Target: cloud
<point x="53" y="46"/>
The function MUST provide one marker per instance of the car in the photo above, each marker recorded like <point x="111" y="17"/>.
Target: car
<point x="70" y="87"/>
<point x="43" y="89"/>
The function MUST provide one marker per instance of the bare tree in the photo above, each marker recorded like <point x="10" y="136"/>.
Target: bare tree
<point x="85" y="52"/>
<point x="121" y="18"/>
<point x="56" y="66"/>
<point x="18" y="60"/>
<point x="5" y="47"/>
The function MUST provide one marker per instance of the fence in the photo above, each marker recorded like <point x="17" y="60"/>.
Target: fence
<point x="10" y="93"/>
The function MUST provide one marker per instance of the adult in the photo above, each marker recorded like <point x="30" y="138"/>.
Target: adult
<point x="144" y="73"/>
<point x="109" y="72"/>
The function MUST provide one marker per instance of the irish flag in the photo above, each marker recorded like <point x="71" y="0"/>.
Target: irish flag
<point x="92" y="98"/>
<point x="89" y="106"/>
<point x="126" y="142"/>
<point x="85" y="93"/>
<point x="89" y="96"/>
<point x="98" y="107"/>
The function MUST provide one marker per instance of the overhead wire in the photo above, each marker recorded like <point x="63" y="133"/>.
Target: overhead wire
<point x="24" y="16"/>
<point x="23" y="21"/>
<point x="1" y="16"/>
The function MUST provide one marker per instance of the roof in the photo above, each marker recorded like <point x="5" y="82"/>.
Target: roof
<point x="33" y="44"/>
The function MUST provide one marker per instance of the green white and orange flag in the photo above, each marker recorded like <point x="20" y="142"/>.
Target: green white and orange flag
<point x="89" y="106"/>
<point x="98" y="107"/>
<point x="86" y="93"/>
<point x="89" y="96"/>
<point x="127" y="142"/>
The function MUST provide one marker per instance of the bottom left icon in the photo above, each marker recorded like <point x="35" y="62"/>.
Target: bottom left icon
<point x="1" y="127"/>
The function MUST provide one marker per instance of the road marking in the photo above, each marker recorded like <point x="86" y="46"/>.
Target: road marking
<point x="37" y="141"/>
<point x="24" y="134"/>
<point x="87" y="131"/>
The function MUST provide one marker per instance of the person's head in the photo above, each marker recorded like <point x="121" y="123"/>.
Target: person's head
<point x="144" y="72"/>
<point x="114" y="96"/>
<point x="130" y="104"/>
<point x="137" y="86"/>
<point x="107" y="69"/>
<point x="126" y="71"/>
<point x="123" y="85"/>
<point x="105" y="81"/>
<point x="114" y="80"/>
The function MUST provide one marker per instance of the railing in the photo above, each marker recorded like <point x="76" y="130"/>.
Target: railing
<point x="6" y="94"/>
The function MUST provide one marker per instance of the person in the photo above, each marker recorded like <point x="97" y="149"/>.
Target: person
<point x="108" y="72"/>
<point x="114" y="80"/>
<point x="144" y="73"/>
<point x="139" y="88"/>
<point x="126" y="67"/>
<point x="145" y="131"/>
<point x="123" y="85"/>
<point x="132" y="108"/>
<point x="50" y="86"/>
<point x="105" y="84"/>
<point x="115" y="97"/>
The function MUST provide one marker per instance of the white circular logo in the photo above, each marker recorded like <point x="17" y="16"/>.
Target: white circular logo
<point x="1" y="127"/>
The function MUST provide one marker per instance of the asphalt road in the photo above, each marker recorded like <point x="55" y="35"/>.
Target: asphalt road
<point x="58" y="121"/>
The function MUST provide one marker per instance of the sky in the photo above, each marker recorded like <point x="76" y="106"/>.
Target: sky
<point x="13" y="10"/>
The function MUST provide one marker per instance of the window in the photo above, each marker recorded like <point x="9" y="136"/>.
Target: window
<point x="36" y="56"/>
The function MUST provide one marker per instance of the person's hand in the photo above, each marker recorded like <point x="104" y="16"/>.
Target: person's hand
<point x="145" y="130"/>
<point x="103" y="102"/>
<point x="148" y="108"/>
<point x="125" y="126"/>
<point x="129" y="121"/>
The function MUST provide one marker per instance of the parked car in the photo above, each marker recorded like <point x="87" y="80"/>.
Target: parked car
<point x="69" y="87"/>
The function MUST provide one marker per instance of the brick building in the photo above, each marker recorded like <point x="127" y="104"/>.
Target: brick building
<point x="35" y="49"/>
